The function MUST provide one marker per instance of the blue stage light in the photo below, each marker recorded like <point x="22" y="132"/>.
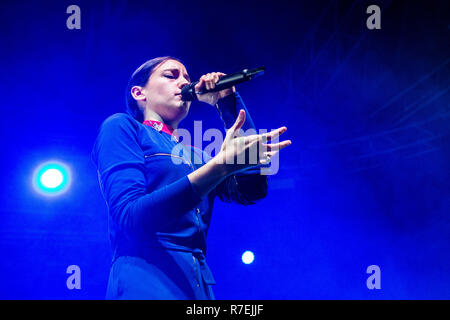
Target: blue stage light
<point x="51" y="178"/>
<point x="248" y="257"/>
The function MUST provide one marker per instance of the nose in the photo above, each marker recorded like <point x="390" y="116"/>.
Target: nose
<point x="183" y="83"/>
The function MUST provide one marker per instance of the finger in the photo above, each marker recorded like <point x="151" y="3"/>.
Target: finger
<point x="216" y="79"/>
<point x="238" y="123"/>
<point x="232" y="132"/>
<point x="274" y="133"/>
<point x="219" y="74"/>
<point x="200" y="84"/>
<point x="277" y="146"/>
<point x="211" y="82"/>
<point x="254" y="138"/>
<point x="208" y="81"/>
<point x="267" y="137"/>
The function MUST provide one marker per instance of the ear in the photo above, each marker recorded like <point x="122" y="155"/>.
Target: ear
<point x="138" y="93"/>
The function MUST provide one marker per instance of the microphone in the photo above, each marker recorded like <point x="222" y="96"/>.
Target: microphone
<point x="188" y="92"/>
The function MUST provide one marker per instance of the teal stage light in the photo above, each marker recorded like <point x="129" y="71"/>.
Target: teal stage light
<point x="52" y="178"/>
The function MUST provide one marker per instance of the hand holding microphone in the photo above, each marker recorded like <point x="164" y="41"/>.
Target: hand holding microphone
<point x="205" y="88"/>
<point x="217" y="85"/>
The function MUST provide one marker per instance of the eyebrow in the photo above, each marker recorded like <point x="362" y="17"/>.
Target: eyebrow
<point x="172" y="69"/>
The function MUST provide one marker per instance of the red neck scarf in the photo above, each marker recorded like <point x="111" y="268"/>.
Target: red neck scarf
<point x="159" y="126"/>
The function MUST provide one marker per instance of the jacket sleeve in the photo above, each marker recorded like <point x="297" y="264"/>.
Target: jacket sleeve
<point x="247" y="186"/>
<point x="120" y="165"/>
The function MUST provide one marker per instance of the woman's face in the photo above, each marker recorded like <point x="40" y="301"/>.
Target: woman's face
<point x="163" y="90"/>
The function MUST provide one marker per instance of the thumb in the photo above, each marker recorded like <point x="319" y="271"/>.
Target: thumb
<point x="239" y="121"/>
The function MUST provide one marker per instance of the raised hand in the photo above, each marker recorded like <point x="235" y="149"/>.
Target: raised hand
<point x="242" y="152"/>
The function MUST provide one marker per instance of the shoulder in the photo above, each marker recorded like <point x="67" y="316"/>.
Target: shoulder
<point x="120" y="120"/>
<point x="119" y="125"/>
<point x="119" y="130"/>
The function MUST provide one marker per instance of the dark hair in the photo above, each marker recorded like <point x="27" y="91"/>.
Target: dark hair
<point x="140" y="78"/>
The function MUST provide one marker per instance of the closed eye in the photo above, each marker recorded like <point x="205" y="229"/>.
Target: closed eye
<point x="174" y="74"/>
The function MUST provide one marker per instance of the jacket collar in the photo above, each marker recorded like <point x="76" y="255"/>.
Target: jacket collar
<point x="159" y="126"/>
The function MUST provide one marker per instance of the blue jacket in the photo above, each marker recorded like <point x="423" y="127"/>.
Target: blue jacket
<point x="157" y="221"/>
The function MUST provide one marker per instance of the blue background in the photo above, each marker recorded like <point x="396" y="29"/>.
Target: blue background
<point x="365" y="182"/>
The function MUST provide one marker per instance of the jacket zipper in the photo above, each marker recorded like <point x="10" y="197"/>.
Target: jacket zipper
<point x="171" y="155"/>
